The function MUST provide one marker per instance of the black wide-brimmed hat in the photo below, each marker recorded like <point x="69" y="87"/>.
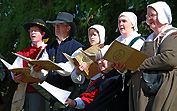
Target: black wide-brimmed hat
<point x="65" y="17"/>
<point x="39" y="23"/>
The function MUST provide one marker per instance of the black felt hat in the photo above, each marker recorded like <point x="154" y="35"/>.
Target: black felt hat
<point x="65" y="17"/>
<point x="41" y="24"/>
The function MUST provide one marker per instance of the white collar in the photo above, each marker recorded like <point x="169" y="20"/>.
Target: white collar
<point x="151" y="36"/>
<point x="43" y="45"/>
<point x="128" y="39"/>
<point x="59" y="42"/>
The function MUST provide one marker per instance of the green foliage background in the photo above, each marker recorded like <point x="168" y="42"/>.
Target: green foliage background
<point x="15" y="13"/>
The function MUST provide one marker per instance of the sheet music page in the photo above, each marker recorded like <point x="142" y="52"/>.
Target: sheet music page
<point x="48" y="64"/>
<point x="25" y="58"/>
<point x="6" y="63"/>
<point x="87" y="53"/>
<point x="12" y="67"/>
<point x="60" y="94"/>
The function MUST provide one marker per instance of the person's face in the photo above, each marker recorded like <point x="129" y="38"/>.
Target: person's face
<point x="152" y="18"/>
<point x="61" y="29"/>
<point x="36" y="34"/>
<point x="94" y="37"/>
<point x="124" y="25"/>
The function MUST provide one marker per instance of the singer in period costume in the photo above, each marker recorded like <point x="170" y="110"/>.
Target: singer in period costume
<point x="155" y="88"/>
<point x="25" y="97"/>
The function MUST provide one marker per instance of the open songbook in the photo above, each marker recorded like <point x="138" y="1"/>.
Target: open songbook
<point x="131" y="57"/>
<point x="94" y="57"/>
<point x="48" y="64"/>
<point x="52" y="93"/>
<point x="26" y="71"/>
<point x="91" y="69"/>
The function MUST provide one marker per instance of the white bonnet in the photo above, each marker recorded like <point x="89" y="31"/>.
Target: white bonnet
<point x="163" y="11"/>
<point x="101" y="31"/>
<point x="132" y="17"/>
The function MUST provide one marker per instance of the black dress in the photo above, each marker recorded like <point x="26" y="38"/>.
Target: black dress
<point x="111" y="96"/>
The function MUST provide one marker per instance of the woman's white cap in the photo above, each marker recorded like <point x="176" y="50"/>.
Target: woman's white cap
<point x="101" y="31"/>
<point x="163" y="11"/>
<point x="132" y="17"/>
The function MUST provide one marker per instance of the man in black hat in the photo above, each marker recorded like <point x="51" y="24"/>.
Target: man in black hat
<point x="25" y="96"/>
<point x="65" y="29"/>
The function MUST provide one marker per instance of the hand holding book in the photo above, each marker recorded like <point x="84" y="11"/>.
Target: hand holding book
<point x="80" y="68"/>
<point x="91" y="67"/>
<point x="70" y="102"/>
<point x="131" y="57"/>
<point x="18" y="77"/>
<point x="118" y="52"/>
<point x="120" y="66"/>
<point x="37" y="68"/>
<point x="20" y="72"/>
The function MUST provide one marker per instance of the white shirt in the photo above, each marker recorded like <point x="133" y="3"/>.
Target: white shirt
<point x="137" y="45"/>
